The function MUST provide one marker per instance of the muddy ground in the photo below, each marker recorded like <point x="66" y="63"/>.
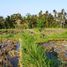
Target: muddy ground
<point x="9" y="53"/>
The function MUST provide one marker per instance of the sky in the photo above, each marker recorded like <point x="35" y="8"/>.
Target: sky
<point x="8" y="7"/>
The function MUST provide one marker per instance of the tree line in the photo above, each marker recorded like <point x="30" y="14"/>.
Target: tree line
<point x="41" y="20"/>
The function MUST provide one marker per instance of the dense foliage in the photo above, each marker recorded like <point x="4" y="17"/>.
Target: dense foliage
<point x="52" y="20"/>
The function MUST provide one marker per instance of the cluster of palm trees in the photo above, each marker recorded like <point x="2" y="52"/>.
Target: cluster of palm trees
<point x="41" y="20"/>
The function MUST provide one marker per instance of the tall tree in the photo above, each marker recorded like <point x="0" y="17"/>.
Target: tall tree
<point x="55" y="13"/>
<point x="2" y="25"/>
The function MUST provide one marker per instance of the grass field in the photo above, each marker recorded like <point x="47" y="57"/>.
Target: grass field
<point x="40" y="36"/>
<point x="33" y="55"/>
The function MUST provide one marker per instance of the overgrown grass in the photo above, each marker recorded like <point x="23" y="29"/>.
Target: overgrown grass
<point x="50" y="36"/>
<point x="33" y="55"/>
<point x="39" y="35"/>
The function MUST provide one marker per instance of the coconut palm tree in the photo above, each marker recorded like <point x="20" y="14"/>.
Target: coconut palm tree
<point x="55" y="13"/>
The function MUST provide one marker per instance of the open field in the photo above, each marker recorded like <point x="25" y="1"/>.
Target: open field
<point x="44" y="35"/>
<point x="33" y="33"/>
<point x="29" y="40"/>
<point x="34" y="55"/>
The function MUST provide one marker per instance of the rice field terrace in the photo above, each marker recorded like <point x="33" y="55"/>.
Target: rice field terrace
<point x="33" y="47"/>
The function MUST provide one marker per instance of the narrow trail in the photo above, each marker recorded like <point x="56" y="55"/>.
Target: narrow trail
<point x="20" y="51"/>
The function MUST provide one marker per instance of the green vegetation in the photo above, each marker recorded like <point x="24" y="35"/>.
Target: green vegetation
<point x="48" y="34"/>
<point x="41" y="20"/>
<point x="35" y="55"/>
<point x="41" y="36"/>
<point x="34" y="30"/>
